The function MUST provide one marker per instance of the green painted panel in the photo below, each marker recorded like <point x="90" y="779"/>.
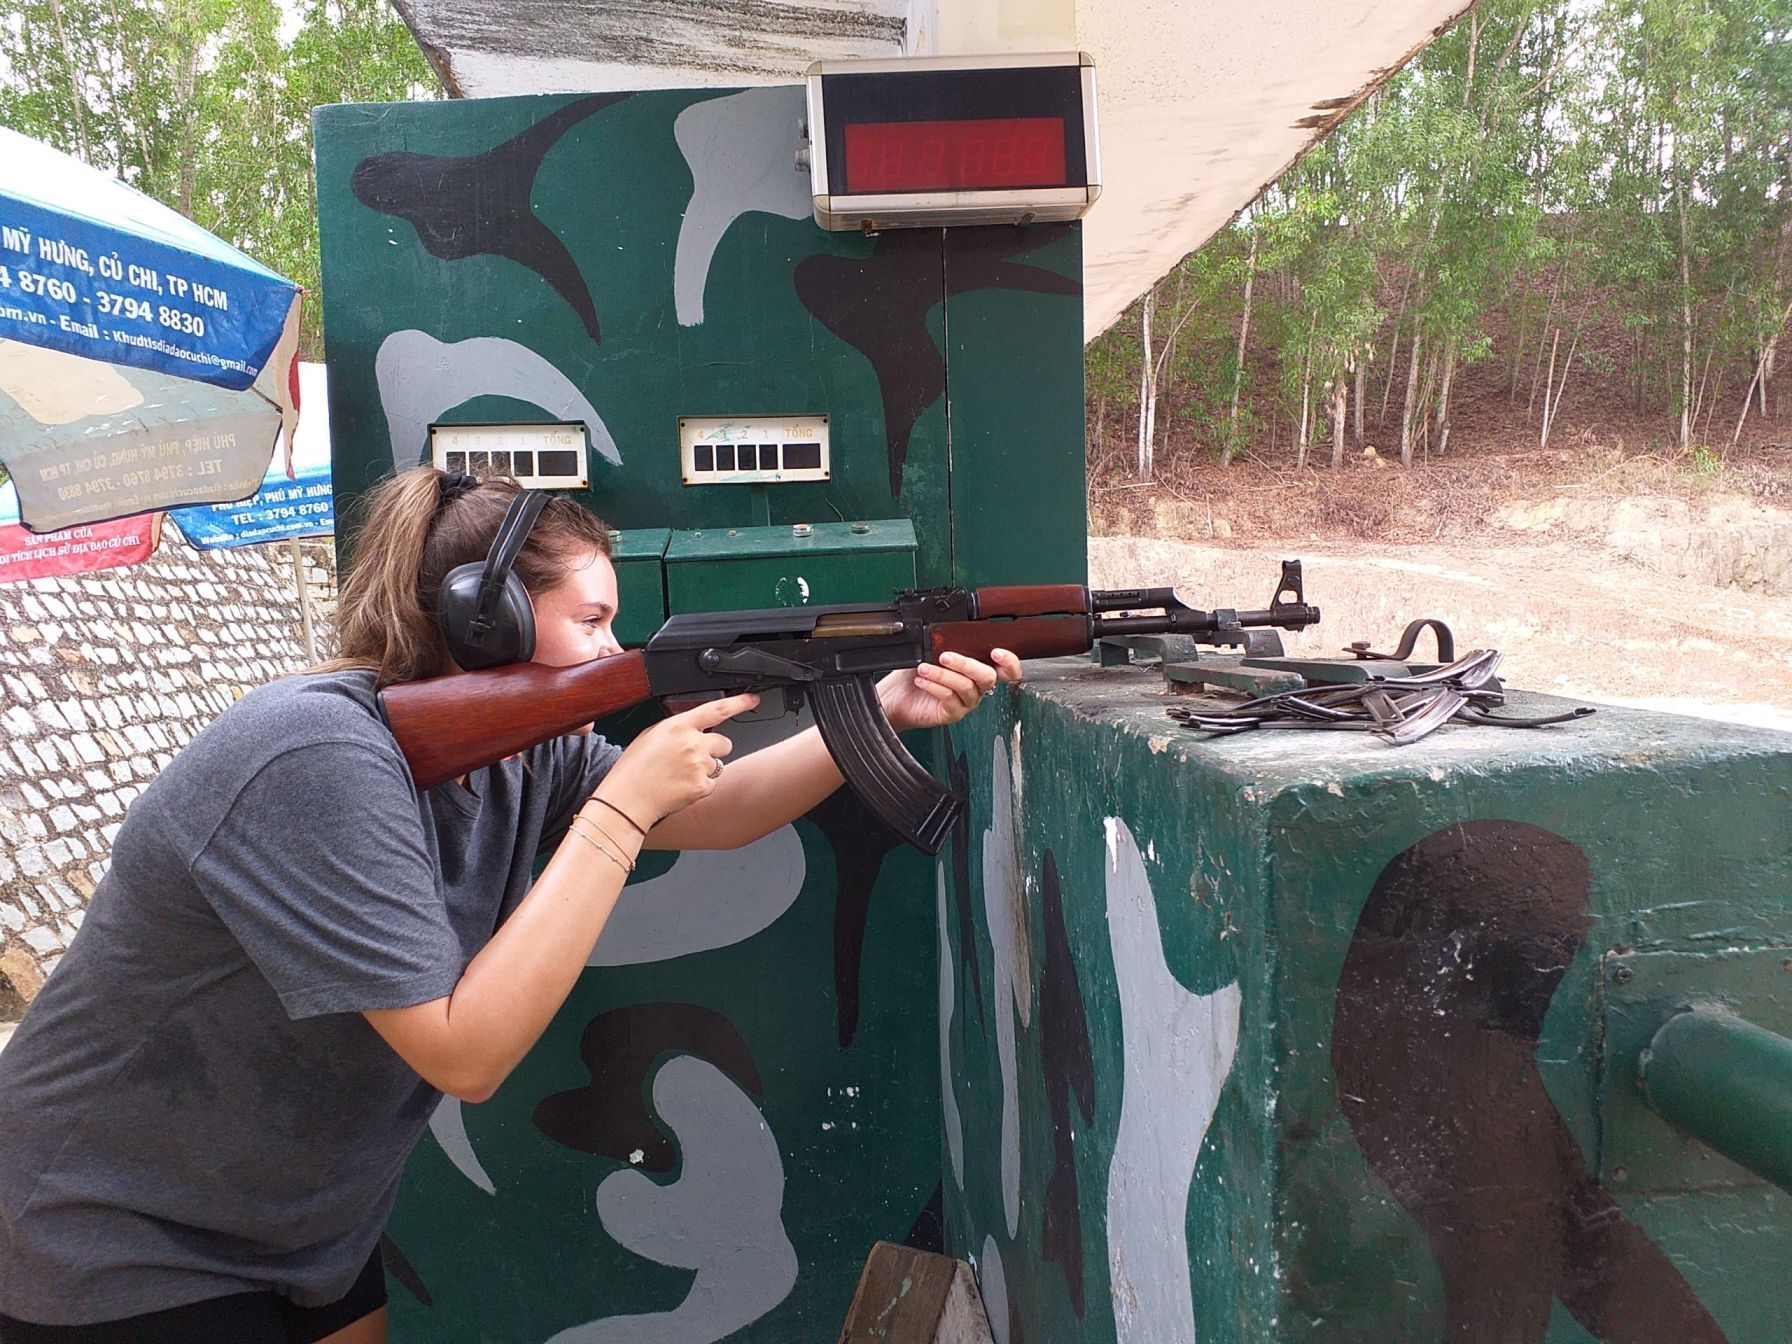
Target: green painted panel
<point x="1407" y="1139"/>
<point x="743" y="569"/>
<point x="549" y="1247"/>
<point x="1016" y="366"/>
<point x="611" y="193"/>
<point x="639" y="558"/>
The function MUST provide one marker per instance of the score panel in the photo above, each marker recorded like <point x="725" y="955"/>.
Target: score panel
<point x="952" y="140"/>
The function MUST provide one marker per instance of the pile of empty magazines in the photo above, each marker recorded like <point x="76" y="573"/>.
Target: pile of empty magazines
<point x="1398" y="709"/>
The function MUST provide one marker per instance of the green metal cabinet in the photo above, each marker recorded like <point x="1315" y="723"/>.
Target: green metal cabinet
<point x="741" y="569"/>
<point x="639" y="556"/>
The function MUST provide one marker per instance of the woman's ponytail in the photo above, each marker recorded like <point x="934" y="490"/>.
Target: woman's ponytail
<point x="413" y="532"/>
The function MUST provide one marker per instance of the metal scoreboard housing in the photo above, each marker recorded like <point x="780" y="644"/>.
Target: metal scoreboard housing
<point x="546" y="456"/>
<point x="941" y="141"/>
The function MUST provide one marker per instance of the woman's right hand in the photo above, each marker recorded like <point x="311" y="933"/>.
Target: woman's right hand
<point x="674" y="763"/>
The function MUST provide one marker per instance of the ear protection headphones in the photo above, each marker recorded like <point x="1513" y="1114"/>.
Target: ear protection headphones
<point x="483" y="607"/>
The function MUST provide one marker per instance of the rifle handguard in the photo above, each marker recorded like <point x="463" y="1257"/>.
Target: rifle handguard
<point x="892" y="783"/>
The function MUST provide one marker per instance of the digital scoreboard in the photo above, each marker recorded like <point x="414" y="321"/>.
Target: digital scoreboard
<point x="952" y="140"/>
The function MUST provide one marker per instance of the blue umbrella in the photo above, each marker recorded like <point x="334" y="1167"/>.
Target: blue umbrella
<point x="144" y="363"/>
<point x="295" y="501"/>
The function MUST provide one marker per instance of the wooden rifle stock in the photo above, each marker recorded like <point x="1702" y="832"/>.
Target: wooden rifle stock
<point x="450" y="725"/>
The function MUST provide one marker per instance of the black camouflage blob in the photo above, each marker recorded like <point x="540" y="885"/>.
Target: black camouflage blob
<point x="928" y="1231"/>
<point x="879" y="306"/>
<point x="1068" y="1057"/>
<point x="480" y="204"/>
<point x="861" y="842"/>
<point x="1456" y="956"/>
<point x="400" y="1269"/>
<point x="960" y="775"/>
<point x="623" y="1048"/>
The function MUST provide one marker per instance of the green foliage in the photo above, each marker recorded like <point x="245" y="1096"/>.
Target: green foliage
<point x="1544" y="168"/>
<point x="206" y="104"/>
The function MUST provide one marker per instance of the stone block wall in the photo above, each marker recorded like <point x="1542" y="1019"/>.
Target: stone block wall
<point x="103" y="677"/>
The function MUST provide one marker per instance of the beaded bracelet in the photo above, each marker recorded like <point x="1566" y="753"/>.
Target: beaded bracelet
<point x="601" y="850"/>
<point x="615" y="844"/>
<point x="619" y="812"/>
<point x="614" y="857"/>
<point x="603" y="831"/>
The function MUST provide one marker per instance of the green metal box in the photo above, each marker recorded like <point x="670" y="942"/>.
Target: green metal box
<point x="747" y="568"/>
<point x="639" y="555"/>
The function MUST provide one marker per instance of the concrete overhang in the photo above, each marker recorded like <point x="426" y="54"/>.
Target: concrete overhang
<point x="1201" y="104"/>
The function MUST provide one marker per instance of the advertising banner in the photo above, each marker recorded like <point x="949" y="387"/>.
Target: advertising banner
<point x="302" y="505"/>
<point x="73" y="550"/>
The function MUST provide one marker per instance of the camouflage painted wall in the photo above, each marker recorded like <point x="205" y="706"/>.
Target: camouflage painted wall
<point x="1297" y="1037"/>
<point x="742" y="1094"/>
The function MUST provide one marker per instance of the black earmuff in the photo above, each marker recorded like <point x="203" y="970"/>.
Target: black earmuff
<point x="483" y="607"/>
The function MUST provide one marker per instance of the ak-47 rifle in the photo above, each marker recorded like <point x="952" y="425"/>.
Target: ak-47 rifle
<point x="826" y="657"/>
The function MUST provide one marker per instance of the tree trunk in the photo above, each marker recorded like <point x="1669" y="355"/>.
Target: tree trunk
<point x="1762" y="366"/>
<point x="1306" y="397"/>
<point x="1362" y="363"/>
<point x="1518" y="344"/>
<point x="1443" y="397"/>
<point x="76" y="98"/>
<point x="186" y="79"/>
<point x="1717" y="394"/>
<point x="1394" y="353"/>
<point x="1686" y="320"/>
<point x="1549" y="314"/>
<point x="1412" y="387"/>
<point x="1340" y="393"/>
<point x="1698" y="403"/>
<point x="1244" y="331"/>
<point x="1425" y="405"/>
<point x="1548" y="386"/>
<point x="1554" y="400"/>
<point x="1166" y="366"/>
<point x="1147" y="387"/>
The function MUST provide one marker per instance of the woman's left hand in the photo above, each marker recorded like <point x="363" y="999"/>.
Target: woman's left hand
<point x="934" y="695"/>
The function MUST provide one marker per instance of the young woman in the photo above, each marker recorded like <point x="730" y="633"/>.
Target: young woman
<point x="204" y="1114"/>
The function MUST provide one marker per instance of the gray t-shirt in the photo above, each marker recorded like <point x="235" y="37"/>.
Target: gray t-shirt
<point x="193" y="1105"/>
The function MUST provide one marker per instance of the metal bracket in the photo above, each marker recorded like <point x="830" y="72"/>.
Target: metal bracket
<point x="1409" y="640"/>
<point x="1120" y="650"/>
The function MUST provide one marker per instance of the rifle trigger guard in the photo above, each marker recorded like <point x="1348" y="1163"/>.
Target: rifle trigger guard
<point x="754" y="662"/>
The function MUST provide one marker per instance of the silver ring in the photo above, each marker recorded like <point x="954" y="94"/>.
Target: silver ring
<point x="717" y="772"/>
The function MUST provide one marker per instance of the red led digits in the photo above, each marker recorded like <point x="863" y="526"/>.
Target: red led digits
<point x="954" y="155"/>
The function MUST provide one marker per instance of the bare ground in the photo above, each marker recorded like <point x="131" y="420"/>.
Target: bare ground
<point x="1643" y="578"/>
<point x="1566" y="622"/>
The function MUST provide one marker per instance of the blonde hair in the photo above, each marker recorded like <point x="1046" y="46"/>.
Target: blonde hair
<point x="410" y="538"/>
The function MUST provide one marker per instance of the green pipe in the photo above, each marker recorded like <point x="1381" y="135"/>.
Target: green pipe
<point x="1727" y="1082"/>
